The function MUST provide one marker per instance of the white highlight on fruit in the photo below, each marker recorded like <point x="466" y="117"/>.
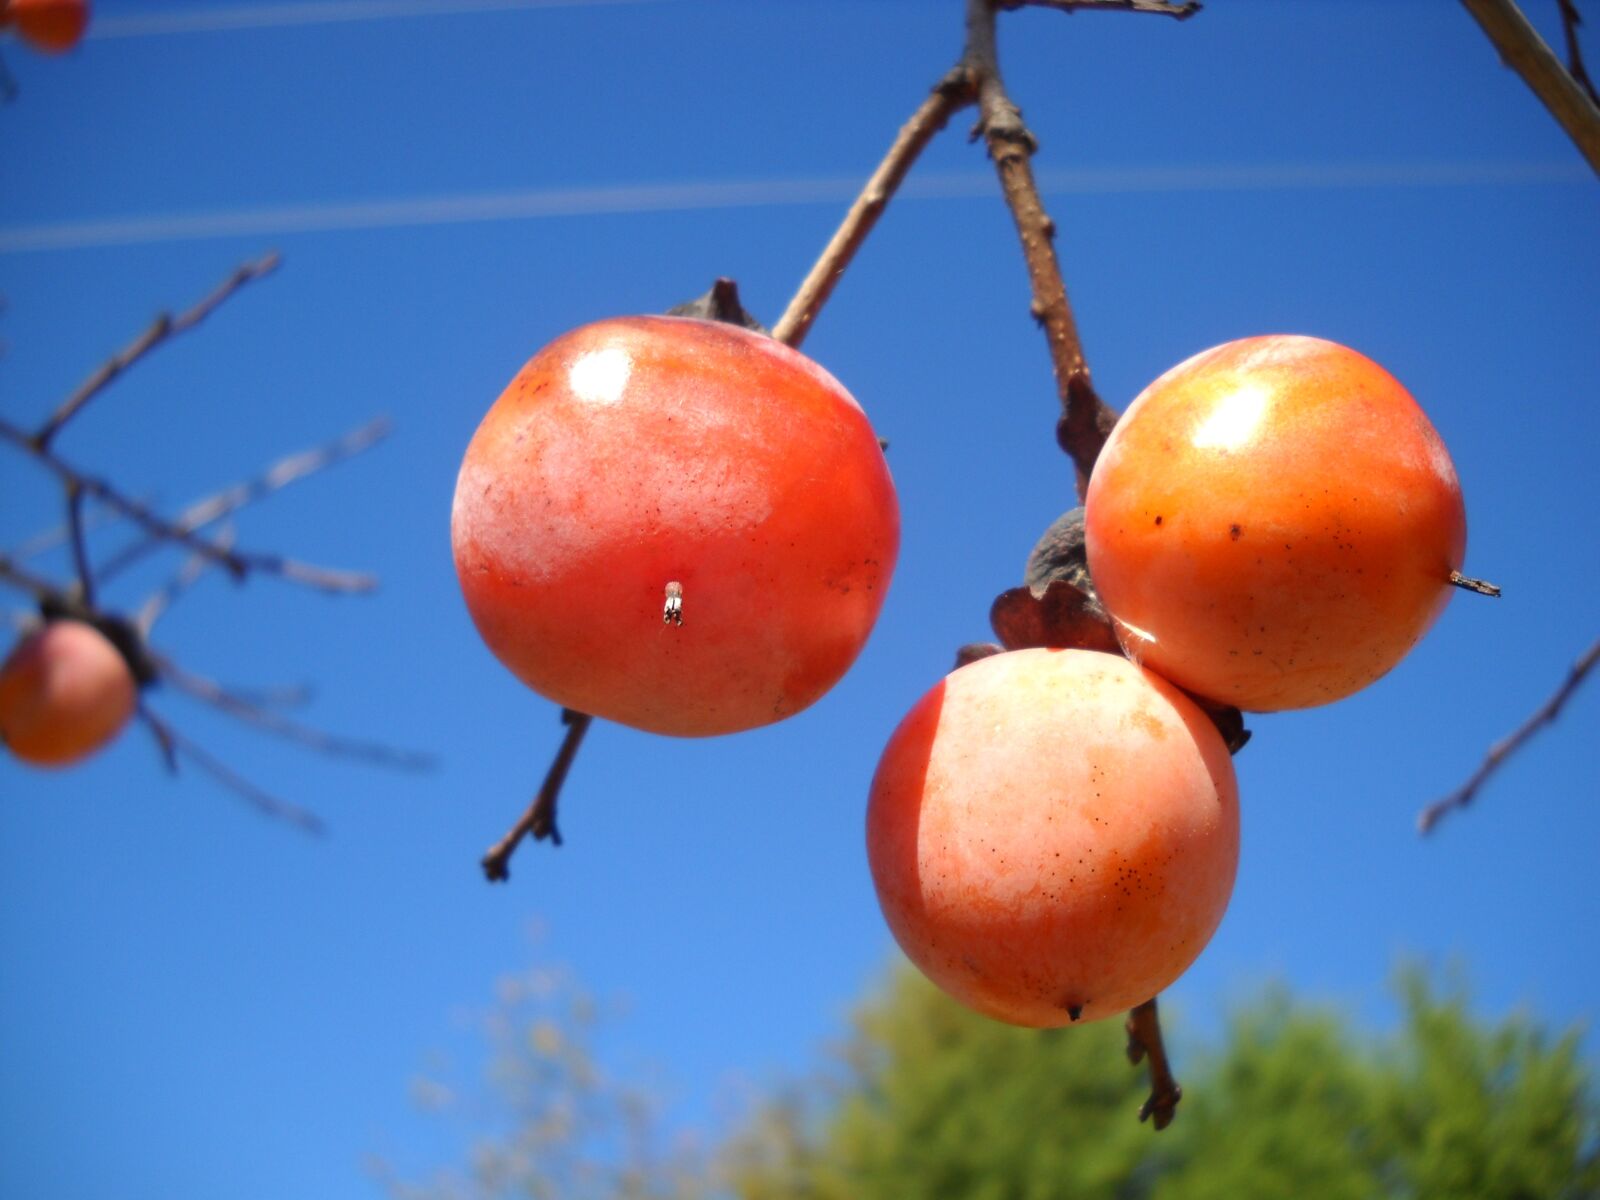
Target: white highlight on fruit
<point x="1233" y="421"/>
<point x="601" y="376"/>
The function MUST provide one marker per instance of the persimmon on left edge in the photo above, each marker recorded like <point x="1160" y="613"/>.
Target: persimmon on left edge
<point x="676" y="524"/>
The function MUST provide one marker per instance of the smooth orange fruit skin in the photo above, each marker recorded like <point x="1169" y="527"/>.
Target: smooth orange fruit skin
<point x="64" y="693"/>
<point x="53" y="26"/>
<point x="1054" y="832"/>
<point x="642" y="451"/>
<point x="1273" y="523"/>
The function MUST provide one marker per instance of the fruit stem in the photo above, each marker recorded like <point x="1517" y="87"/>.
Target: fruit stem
<point x="1467" y="583"/>
<point x="540" y="818"/>
<point x="1144" y="1041"/>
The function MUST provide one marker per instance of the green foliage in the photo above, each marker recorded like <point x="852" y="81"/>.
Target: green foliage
<point x="929" y="1100"/>
<point x="938" y="1102"/>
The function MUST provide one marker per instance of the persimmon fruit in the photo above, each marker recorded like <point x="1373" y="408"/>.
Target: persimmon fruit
<point x="1053" y="834"/>
<point x="1274" y="523"/>
<point x="65" y="692"/>
<point x="53" y="26"/>
<point x="677" y="524"/>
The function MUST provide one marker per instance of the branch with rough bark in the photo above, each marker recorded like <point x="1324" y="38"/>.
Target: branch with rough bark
<point x="1522" y="49"/>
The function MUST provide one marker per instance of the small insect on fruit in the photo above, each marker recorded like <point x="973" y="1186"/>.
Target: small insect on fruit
<point x="53" y="26"/>
<point x="1274" y="523"/>
<point x="65" y="691"/>
<point x="640" y="466"/>
<point x="1054" y="835"/>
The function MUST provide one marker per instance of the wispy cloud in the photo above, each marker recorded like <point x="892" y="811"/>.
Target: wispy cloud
<point x="706" y="195"/>
<point x="311" y="12"/>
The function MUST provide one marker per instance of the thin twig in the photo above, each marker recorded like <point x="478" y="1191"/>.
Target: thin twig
<point x="80" y="547"/>
<point x="173" y="744"/>
<point x="164" y="327"/>
<point x="1509" y="745"/>
<point x="279" y="475"/>
<point x="154" y="608"/>
<point x="1570" y="20"/>
<point x="1525" y="52"/>
<point x="1160" y="8"/>
<point x="1144" y="1041"/>
<point x="35" y="585"/>
<point x="242" y="708"/>
<point x="59" y="535"/>
<point x="540" y="818"/>
<point x="1085" y="420"/>
<point x="237" y="562"/>
<point x="950" y="94"/>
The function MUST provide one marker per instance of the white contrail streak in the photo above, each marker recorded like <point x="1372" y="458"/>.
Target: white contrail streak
<point x="311" y="12"/>
<point x="708" y="195"/>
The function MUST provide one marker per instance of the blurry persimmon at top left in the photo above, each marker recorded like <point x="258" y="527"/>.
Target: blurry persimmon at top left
<point x="53" y="26"/>
<point x="65" y="691"/>
<point x="677" y="524"/>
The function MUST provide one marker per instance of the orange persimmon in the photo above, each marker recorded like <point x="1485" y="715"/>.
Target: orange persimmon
<point x="53" y="26"/>
<point x="1054" y="835"/>
<point x="65" y="692"/>
<point x="677" y="524"/>
<point x="1274" y="523"/>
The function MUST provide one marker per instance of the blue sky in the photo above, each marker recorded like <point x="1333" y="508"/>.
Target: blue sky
<point x="196" y="1001"/>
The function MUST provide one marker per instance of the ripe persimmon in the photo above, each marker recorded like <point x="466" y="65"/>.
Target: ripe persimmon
<point x="1054" y="834"/>
<point x="53" y="26"/>
<point x="1274" y="523"/>
<point x="65" y="692"/>
<point x="677" y="524"/>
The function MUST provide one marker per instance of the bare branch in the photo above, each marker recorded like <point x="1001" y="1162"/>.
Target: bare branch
<point x="80" y="548"/>
<point x="154" y="608"/>
<point x="37" y="586"/>
<point x="174" y="744"/>
<point x="164" y="327"/>
<point x="279" y="475"/>
<point x="953" y="92"/>
<point x="540" y="818"/>
<point x="1525" y="52"/>
<point x="1509" y="745"/>
<point x="1144" y="1041"/>
<point x="1159" y="8"/>
<point x="1085" y="420"/>
<point x="1570" y="20"/>
<point x="238" y="563"/>
<point x="242" y="708"/>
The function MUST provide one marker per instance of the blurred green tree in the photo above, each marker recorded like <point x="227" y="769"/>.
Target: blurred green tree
<point x="928" y="1100"/>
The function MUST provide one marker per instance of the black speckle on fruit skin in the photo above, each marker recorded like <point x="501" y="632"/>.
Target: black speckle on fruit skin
<point x="1158" y="520"/>
<point x="1235" y="531"/>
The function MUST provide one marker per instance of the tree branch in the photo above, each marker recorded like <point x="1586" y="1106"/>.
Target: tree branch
<point x="1525" y="52"/>
<point x="950" y="94"/>
<point x="229" y="500"/>
<point x="1144" y="1040"/>
<point x="1509" y="745"/>
<point x="1160" y="8"/>
<point x="237" y="562"/>
<point x="540" y="818"/>
<point x="1085" y="420"/>
<point x="164" y="327"/>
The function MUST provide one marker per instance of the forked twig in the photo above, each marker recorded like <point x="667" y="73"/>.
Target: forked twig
<point x="540" y="818"/>
<point x="238" y="563"/>
<point x="242" y="708"/>
<point x="164" y="327"/>
<point x="1509" y="745"/>
<point x="159" y="601"/>
<point x="1144" y="1041"/>
<point x="280" y="474"/>
<point x="174" y="745"/>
